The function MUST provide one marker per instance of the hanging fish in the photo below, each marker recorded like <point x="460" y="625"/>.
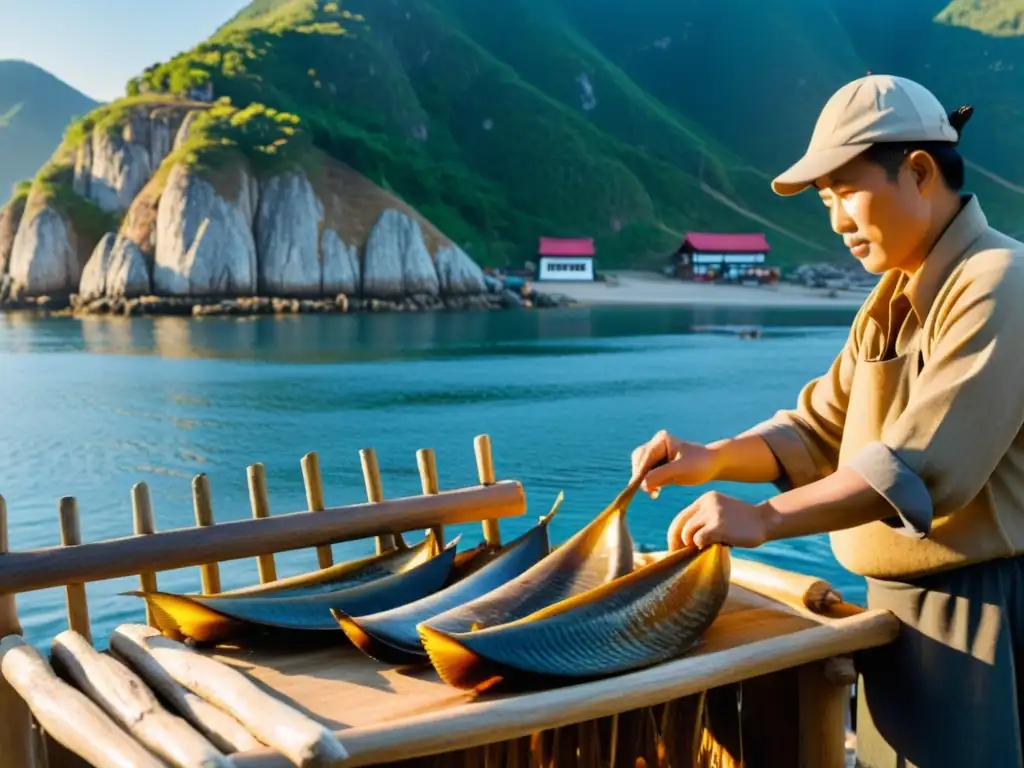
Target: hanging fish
<point x="599" y="553"/>
<point x="391" y="637"/>
<point x="213" y="619"/>
<point x="342" y="575"/>
<point x="646" y="617"/>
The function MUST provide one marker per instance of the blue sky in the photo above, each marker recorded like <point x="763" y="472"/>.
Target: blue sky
<point x="97" y="45"/>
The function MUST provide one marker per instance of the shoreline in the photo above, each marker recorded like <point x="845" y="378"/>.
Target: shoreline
<point x="647" y="289"/>
<point x="625" y="289"/>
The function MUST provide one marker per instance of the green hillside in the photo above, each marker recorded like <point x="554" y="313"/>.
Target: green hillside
<point x="35" y="108"/>
<point x="632" y="123"/>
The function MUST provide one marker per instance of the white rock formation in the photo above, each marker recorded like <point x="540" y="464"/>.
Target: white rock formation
<point x="204" y="243"/>
<point x="395" y="261"/>
<point x="287" y="233"/>
<point x="341" y="265"/>
<point x="116" y="269"/>
<point x="458" y="274"/>
<point x="44" y="259"/>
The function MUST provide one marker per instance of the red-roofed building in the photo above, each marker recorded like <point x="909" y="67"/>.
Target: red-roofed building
<point x="734" y="258"/>
<point x="566" y="259"/>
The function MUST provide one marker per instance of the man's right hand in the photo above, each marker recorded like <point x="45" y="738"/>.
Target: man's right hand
<point x="666" y="460"/>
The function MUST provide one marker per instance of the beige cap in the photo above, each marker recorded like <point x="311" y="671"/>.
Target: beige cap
<point x="871" y="110"/>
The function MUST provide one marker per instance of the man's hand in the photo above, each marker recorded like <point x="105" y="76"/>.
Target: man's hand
<point x="666" y="460"/>
<point x="718" y="519"/>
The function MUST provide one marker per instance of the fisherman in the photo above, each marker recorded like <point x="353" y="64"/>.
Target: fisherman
<point x="908" y="451"/>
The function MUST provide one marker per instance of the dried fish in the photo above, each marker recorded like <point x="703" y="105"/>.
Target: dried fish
<point x="391" y="637"/>
<point x="599" y="553"/>
<point x="213" y="619"/>
<point x="652" y="615"/>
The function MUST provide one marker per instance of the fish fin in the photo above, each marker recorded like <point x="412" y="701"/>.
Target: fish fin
<point x="176" y="613"/>
<point x="454" y="662"/>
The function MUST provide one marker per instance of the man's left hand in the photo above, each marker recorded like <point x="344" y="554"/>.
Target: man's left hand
<point x="718" y="519"/>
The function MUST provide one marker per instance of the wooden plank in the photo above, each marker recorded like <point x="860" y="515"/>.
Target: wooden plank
<point x="385" y="542"/>
<point x="748" y="641"/>
<point x="485" y="471"/>
<point x="202" y="504"/>
<point x="259" y="500"/>
<point x="426" y="463"/>
<point x="823" y="706"/>
<point x="314" y="485"/>
<point x="144" y="525"/>
<point x="129" y="702"/>
<point x="71" y="536"/>
<point x="68" y="716"/>
<point x="16" y="739"/>
<point x="167" y="550"/>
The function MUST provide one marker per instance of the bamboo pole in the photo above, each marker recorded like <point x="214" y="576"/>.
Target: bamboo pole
<point x="16" y="740"/>
<point x="144" y="525"/>
<point x="223" y="730"/>
<point x="386" y="542"/>
<point x="485" y="470"/>
<point x="823" y="706"/>
<point x="259" y="500"/>
<point x="426" y="462"/>
<point x="71" y="536"/>
<point x="793" y="589"/>
<point x="67" y="715"/>
<point x="166" y="550"/>
<point x="302" y="740"/>
<point x="315" y="501"/>
<point x="129" y="702"/>
<point x="202" y="503"/>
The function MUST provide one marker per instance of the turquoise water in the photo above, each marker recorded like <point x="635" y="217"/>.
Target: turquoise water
<point x="89" y="407"/>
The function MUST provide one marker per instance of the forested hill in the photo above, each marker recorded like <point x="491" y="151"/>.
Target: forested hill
<point x="631" y="122"/>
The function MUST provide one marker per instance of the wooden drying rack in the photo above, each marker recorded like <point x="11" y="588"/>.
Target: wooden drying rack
<point x="787" y="652"/>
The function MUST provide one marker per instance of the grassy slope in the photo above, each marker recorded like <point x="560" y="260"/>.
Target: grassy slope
<point x="35" y="108"/>
<point x="475" y="113"/>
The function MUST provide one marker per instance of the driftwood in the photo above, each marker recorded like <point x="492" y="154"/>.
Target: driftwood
<point x="67" y="715"/>
<point x="223" y="730"/>
<point x="125" y="697"/>
<point x="302" y="740"/>
<point x="792" y="589"/>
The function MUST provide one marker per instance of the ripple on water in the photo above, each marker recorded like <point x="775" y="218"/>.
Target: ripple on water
<point x="565" y="398"/>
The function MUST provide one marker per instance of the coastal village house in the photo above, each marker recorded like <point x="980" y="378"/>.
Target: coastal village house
<point x="566" y="259"/>
<point x="705" y="256"/>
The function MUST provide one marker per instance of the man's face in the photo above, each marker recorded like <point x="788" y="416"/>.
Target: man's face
<point x="883" y="221"/>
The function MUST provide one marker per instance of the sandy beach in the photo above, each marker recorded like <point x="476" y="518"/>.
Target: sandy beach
<point x="631" y="288"/>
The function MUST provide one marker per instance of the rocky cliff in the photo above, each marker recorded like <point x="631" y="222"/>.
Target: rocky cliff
<point x="125" y="210"/>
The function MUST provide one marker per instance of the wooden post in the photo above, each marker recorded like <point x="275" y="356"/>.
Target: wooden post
<point x="203" y="506"/>
<point x="259" y="500"/>
<point x="142" y="514"/>
<point x="71" y="536"/>
<point x="15" y="720"/>
<point x="386" y="542"/>
<point x="427" y="464"/>
<point x="485" y="470"/>
<point x="823" y="703"/>
<point x="315" y="500"/>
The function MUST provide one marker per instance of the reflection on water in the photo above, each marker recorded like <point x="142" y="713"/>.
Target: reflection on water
<point x="340" y="338"/>
<point x="90" y="407"/>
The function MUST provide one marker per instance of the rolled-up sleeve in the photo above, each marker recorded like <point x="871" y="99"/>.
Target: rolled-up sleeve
<point x="805" y="440"/>
<point x="966" y="404"/>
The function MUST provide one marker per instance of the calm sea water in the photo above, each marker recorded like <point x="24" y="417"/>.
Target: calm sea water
<point x="89" y="407"/>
